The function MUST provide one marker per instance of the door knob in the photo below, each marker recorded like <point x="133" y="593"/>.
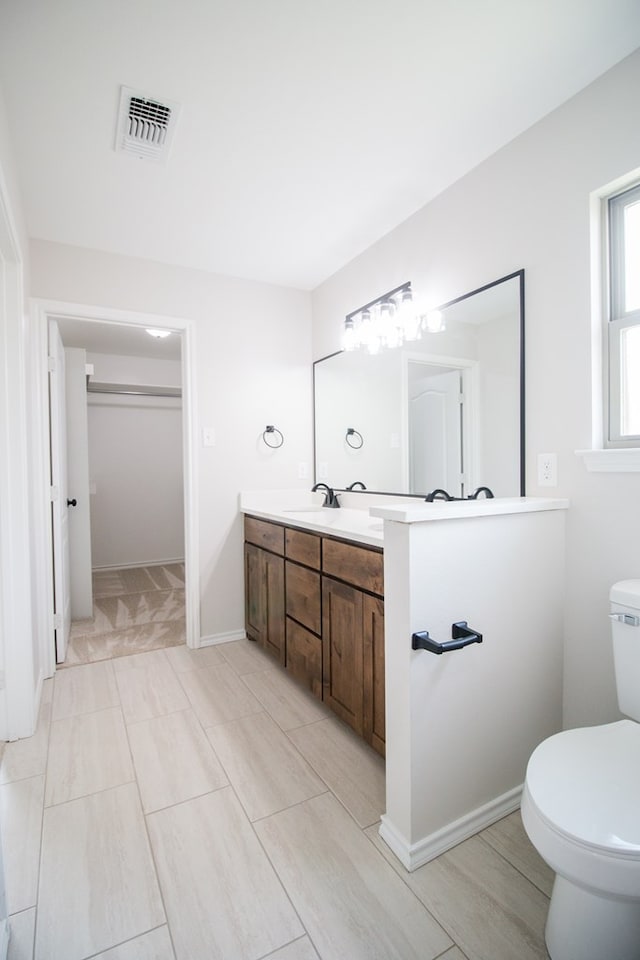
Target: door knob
<point x="72" y="503"/>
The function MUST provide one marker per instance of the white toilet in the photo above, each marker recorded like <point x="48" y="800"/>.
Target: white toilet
<point x="581" y="809"/>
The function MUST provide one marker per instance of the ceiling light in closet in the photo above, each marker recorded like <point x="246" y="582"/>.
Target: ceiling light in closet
<point x="159" y="334"/>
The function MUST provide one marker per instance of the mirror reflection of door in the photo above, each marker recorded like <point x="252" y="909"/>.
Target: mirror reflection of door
<point x="435" y="428"/>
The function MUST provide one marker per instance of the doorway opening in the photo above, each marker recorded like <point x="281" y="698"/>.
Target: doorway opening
<point x="128" y="500"/>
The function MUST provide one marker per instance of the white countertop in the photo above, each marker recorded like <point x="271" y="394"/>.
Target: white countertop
<point x="418" y="511"/>
<point x="364" y="522"/>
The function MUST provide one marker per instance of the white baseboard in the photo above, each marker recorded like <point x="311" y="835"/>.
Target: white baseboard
<point x="414" y="855"/>
<point x="214" y="638"/>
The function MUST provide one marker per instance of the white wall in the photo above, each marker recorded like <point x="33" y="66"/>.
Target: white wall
<point x="20" y="622"/>
<point x="135" y="465"/>
<point x="528" y="206"/>
<point x="253" y="349"/>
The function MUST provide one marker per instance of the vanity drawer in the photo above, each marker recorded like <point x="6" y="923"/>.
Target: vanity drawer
<point x="363" y="568"/>
<point x="303" y="548"/>
<point x="264" y="534"/>
<point x="302" y="593"/>
<point x="304" y="657"/>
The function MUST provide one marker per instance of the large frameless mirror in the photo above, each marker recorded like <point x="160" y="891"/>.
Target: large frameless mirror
<point x="443" y="412"/>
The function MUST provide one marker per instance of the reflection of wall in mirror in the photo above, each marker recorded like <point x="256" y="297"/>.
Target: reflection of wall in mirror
<point x="350" y="401"/>
<point x="499" y="436"/>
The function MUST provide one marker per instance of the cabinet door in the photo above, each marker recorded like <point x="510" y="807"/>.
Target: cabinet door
<point x="254" y="585"/>
<point x="274" y="633"/>
<point x="304" y="657"/>
<point x="373" y="671"/>
<point x="264" y="599"/>
<point x="342" y="671"/>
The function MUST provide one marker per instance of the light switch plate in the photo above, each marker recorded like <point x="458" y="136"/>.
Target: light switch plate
<point x="208" y="437"/>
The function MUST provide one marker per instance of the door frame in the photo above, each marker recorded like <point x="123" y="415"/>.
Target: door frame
<point x="45" y="310"/>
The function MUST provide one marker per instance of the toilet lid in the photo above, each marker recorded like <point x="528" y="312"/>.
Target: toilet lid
<point x="586" y="783"/>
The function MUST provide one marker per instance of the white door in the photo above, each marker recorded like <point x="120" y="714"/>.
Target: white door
<point x="78" y="483"/>
<point x="59" y="493"/>
<point x="435" y="434"/>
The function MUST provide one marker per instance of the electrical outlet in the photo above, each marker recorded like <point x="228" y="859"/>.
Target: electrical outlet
<point x="548" y="469"/>
<point x="208" y="437"/>
<point x="303" y="471"/>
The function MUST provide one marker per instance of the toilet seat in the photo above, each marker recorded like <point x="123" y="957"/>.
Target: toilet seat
<point x="585" y="784"/>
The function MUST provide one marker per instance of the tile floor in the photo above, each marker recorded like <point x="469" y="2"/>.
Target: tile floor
<point x="195" y="805"/>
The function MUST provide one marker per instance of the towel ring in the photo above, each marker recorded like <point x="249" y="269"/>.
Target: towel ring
<point x="271" y="429"/>
<point x="354" y="433"/>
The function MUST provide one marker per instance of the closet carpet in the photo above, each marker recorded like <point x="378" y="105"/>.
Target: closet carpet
<point x="134" y="611"/>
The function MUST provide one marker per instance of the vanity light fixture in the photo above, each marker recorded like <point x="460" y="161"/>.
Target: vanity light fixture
<point x="159" y="334"/>
<point x="389" y="321"/>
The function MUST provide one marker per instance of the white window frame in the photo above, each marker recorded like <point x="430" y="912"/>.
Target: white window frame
<point x="617" y="319"/>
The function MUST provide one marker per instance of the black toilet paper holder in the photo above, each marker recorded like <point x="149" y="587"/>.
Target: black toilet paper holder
<point x="462" y="635"/>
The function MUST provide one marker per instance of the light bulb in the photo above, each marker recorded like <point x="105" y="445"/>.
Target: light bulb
<point x="349" y="339"/>
<point x="159" y="334"/>
<point x="434" y="322"/>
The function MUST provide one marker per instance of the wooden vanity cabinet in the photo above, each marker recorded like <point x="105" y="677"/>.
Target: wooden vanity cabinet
<point x="353" y="637"/>
<point x="303" y="607"/>
<point x="316" y="603"/>
<point x="264" y="586"/>
<point x="373" y="705"/>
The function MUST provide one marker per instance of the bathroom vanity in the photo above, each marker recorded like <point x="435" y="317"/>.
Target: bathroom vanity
<point x="338" y="596"/>
<point x="315" y="602"/>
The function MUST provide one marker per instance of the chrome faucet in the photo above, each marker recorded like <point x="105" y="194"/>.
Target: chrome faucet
<point x="330" y="497"/>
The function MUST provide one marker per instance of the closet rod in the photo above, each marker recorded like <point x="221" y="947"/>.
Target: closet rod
<point x="132" y="389"/>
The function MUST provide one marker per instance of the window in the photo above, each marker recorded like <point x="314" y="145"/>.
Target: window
<point x="623" y="326"/>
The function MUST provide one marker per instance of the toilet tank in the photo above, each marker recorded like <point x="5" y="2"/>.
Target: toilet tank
<point x="625" y="626"/>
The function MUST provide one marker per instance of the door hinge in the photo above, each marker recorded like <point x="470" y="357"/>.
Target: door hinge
<point x="54" y="493"/>
<point x="57" y="621"/>
<point x="51" y="364"/>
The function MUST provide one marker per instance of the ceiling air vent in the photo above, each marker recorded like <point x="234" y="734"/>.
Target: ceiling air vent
<point x="145" y="125"/>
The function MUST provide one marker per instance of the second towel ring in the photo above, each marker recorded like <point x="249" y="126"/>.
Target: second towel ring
<point x="354" y="433"/>
<point x="271" y="429"/>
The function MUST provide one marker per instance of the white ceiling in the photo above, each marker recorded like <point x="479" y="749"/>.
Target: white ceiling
<point x="308" y="128"/>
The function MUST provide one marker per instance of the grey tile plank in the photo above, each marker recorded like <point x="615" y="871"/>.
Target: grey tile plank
<point x="21" y="806"/>
<point x="22" y="927"/>
<point x="86" y="754"/>
<point x="350" y="900"/>
<point x="149" y="690"/>
<point x="351" y="769"/>
<point x="173" y="760"/>
<point x="217" y="695"/>
<point x="509" y="838"/>
<point x="155" y="945"/>
<point x="222" y="896"/>
<point x="286" y="701"/>
<point x="98" y="885"/>
<point x="488" y="908"/>
<point x="245" y="656"/>
<point x="84" y="689"/>
<point x="266" y="770"/>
